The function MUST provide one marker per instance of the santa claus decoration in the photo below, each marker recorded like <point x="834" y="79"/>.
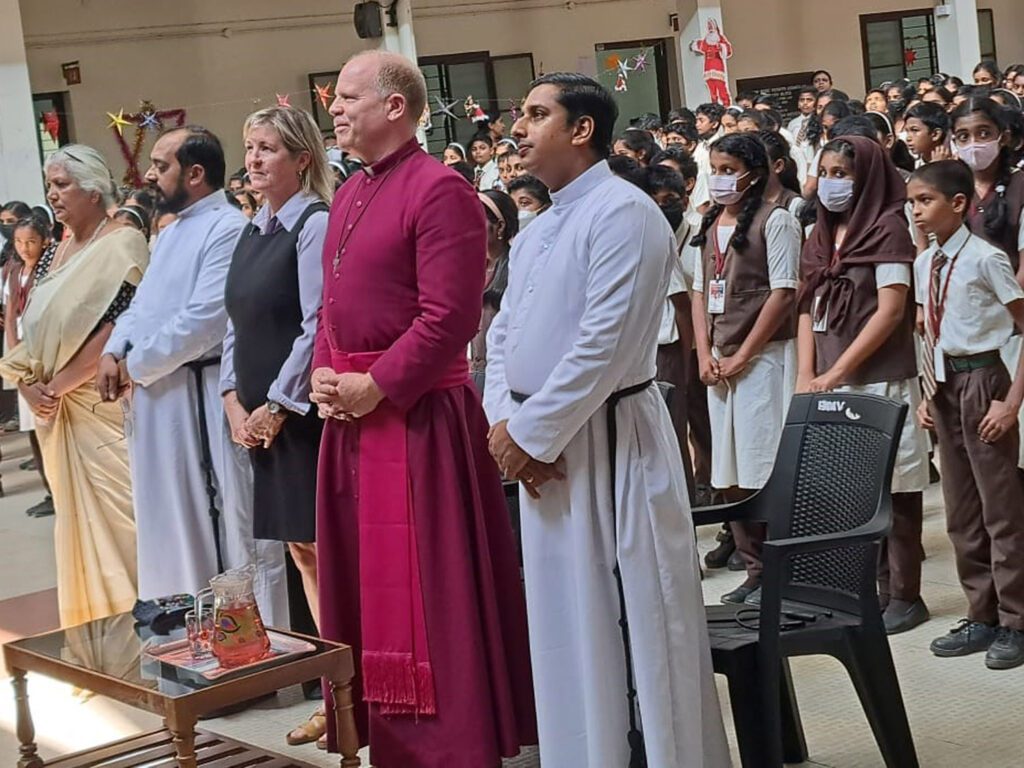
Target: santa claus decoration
<point x="715" y="48"/>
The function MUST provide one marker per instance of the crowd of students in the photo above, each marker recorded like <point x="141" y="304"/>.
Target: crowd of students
<point x="806" y="263"/>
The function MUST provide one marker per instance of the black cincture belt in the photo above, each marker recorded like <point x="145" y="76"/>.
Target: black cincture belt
<point x="637" y="752"/>
<point x="197" y="367"/>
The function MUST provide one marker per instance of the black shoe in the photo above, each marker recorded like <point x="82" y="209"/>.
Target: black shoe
<point x="736" y="562"/>
<point x="1007" y="650"/>
<point x="739" y="595"/>
<point x="900" y="616"/>
<point x="965" y="638"/>
<point x="719" y="556"/>
<point x="29" y="465"/>
<point x="43" y="509"/>
<point x="754" y="598"/>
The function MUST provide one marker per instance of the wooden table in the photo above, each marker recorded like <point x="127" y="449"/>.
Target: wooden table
<point x="106" y="657"/>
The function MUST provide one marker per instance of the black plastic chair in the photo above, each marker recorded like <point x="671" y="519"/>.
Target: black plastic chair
<point x="827" y="505"/>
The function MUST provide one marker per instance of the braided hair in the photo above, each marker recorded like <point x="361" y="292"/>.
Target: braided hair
<point x="778" y="149"/>
<point x="997" y="215"/>
<point x="749" y="150"/>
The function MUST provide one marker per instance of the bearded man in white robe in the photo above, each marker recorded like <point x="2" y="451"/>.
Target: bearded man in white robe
<point x="576" y="338"/>
<point x="167" y="346"/>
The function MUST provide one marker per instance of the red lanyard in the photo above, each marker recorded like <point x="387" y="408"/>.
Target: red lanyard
<point x="935" y="313"/>
<point x="719" y="256"/>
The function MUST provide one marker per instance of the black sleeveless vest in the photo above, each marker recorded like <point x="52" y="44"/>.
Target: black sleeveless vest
<point x="262" y="299"/>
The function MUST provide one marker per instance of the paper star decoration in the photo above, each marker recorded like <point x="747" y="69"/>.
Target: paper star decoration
<point x="149" y="120"/>
<point x="117" y="122"/>
<point x="446" y="109"/>
<point x="910" y="57"/>
<point x="640" y="62"/>
<point x="323" y="92"/>
<point x="284" y="100"/>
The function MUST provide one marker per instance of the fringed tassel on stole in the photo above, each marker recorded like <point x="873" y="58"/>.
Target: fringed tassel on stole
<point x="398" y="683"/>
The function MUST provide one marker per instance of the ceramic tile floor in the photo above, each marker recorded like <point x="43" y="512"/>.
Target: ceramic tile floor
<point x="961" y="713"/>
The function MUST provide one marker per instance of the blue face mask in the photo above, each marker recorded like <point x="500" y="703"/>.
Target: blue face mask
<point x="836" y="194"/>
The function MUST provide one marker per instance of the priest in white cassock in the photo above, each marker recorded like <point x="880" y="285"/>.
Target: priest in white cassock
<point x="167" y="342"/>
<point x="574" y="342"/>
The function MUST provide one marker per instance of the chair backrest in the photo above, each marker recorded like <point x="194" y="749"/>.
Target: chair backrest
<point x="832" y="474"/>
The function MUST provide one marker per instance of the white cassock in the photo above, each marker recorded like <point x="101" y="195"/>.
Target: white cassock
<point x="177" y="317"/>
<point x="579" y="321"/>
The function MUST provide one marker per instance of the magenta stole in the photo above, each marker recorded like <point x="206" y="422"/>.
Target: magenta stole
<point x="397" y="673"/>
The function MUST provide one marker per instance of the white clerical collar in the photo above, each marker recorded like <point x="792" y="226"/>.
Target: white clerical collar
<point x="211" y="201"/>
<point x="582" y="184"/>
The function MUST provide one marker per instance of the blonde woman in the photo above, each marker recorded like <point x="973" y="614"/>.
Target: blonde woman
<point x="69" y="317"/>
<point x="273" y="295"/>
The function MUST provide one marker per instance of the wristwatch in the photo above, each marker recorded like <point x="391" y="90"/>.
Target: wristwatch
<point x="274" y="408"/>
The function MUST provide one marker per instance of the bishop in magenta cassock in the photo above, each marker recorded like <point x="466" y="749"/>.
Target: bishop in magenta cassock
<point x="416" y="555"/>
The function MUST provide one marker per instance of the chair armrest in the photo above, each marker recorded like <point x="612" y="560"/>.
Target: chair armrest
<point x="722" y="513"/>
<point x="782" y="548"/>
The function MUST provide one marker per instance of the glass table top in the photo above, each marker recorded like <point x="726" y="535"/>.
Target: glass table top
<point x="115" y="648"/>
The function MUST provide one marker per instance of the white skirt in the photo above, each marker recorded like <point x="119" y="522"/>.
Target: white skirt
<point x="747" y="417"/>
<point x="1011" y="356"/>
<point x="910" y="474"/>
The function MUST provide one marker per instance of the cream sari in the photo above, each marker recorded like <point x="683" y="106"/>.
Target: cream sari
<point x="83" y="446"/>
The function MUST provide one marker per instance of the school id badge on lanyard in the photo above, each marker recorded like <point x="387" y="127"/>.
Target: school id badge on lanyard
<point x="716" y="287"/>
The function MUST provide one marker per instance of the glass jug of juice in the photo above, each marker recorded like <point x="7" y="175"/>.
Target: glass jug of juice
<point x="239" y="637"/>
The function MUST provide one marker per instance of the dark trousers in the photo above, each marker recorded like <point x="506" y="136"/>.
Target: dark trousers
<point x="699" y="422"/>
<point x="37" y="454"/>
<point x="984" y="496"/>
<point x="673" y="363"/>
<point x="899" y="556"/>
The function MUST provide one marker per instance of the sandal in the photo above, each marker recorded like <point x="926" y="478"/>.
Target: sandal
<point x="312" y="730"/>
<point x="321" y="743"/>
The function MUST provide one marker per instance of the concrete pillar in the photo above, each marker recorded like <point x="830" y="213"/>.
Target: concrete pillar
<point x="693" y="19"/>
<point x="402" y="39"/>
<point x="956" y="37"/>
<point x="20" y="169"/>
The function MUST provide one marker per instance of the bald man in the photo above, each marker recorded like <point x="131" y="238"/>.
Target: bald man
<point x="416" y="556"/>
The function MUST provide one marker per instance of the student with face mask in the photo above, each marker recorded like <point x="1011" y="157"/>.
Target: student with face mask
<point x="744" y="320"/>
<point x="856" y="334"/>
<point x="531" y="197"/>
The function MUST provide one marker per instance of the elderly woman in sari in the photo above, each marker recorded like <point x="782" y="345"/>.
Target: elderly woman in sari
<point x="68" y="318"/>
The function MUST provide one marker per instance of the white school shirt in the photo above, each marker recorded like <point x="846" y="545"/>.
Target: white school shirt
<point x="796" y="124"/>
<point x="490" y="176"/>
<point x="975" y="318"/>
<point x="782" y="242"/>
<point x="668" y="332"/>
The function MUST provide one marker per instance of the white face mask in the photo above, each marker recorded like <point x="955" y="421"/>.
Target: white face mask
<point x="835" y="194"/>
<point x="722" y="188"/>
<point x="979" y="155"/>
<point x="525" y="217"/>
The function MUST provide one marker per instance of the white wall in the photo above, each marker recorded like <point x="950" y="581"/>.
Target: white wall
<point x="221" y="60"/>
<point x="177" y="54"/>
<point x="20" y="177"/>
